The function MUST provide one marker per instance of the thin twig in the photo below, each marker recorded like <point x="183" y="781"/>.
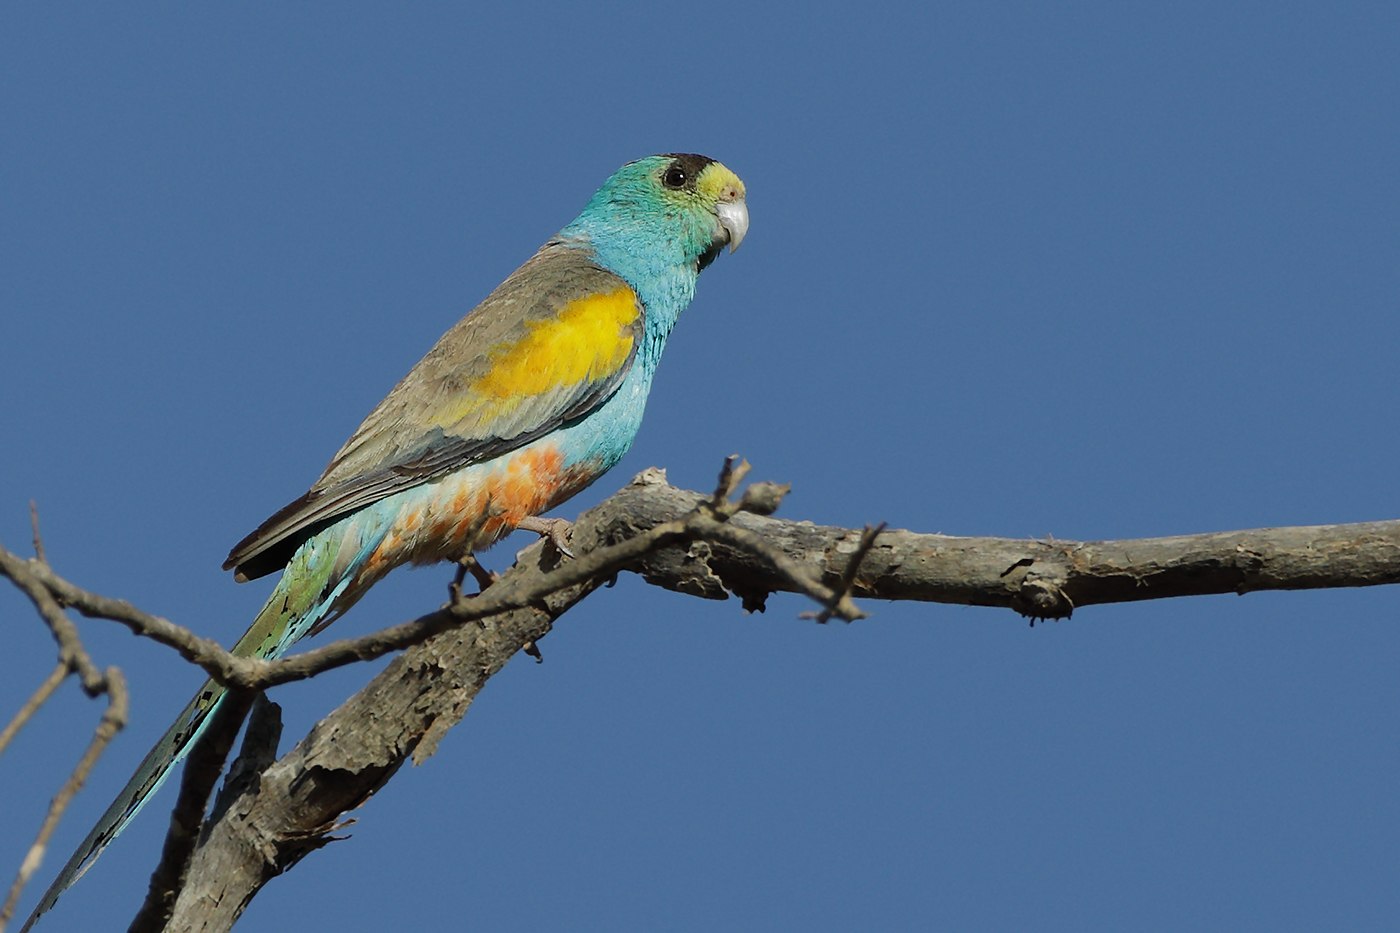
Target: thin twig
<point x="70" y="646"/>
<point x="206" y="653"/>
<point x="112" y="722"/>
<point x="505" y="596"/>
<point x="755" y="555"/>
<point x="1047" y="581"/>
<point x="31" y="706"/>
<point x="840" y="604"/>
<point x="253" y="673"/>
<point x="38" y="538"/>
<point x="731" y="474"/>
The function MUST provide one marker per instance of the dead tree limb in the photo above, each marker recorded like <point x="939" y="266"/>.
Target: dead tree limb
<point x="709" y="546"/>
<point x="304" y="797"/>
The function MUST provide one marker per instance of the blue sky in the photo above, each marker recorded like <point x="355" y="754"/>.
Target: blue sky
<point x="1089" y="270"/>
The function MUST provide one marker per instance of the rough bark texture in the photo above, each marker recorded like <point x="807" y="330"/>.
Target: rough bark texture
<point x="300" y="800"/>
<point x="272" y="814"/>
<point x="404" y="711"/>
<point x="1039" y="579"/>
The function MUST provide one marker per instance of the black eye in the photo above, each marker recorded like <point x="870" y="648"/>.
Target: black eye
<point x="675" y="177"/>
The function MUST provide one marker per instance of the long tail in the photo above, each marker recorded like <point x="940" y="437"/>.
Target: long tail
<point x="309" y="593"/>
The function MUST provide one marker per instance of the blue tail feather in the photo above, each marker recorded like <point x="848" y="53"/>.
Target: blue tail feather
<point x="276" y="628"/>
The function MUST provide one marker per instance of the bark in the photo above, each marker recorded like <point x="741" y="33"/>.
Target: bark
<point x="272" y="814"/>
<point x="301" y="799"/>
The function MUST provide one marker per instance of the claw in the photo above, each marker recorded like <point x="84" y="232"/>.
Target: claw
<point x="557" y="530"/>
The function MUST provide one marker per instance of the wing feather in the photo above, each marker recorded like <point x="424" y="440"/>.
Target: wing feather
<point x="547" y="347"/>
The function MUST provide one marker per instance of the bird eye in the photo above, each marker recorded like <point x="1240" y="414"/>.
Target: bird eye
<point x="674" y="178"/>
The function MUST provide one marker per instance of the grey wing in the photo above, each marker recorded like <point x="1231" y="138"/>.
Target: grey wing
<point x="405" y="441"/>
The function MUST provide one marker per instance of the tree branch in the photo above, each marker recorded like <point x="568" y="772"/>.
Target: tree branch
<point x="1038" y="579"/>
<point x="708" y="546"/>
<point x="72" y="659"/>
<point x="202" y="770"/>
<point x="707" y="518"/>
<point x="31" y="706"/>
<point x="406" y="709"/>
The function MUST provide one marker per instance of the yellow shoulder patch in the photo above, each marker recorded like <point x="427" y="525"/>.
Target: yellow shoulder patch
<point x="587" y="339"/>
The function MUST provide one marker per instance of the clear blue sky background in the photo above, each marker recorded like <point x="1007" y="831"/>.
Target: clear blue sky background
<point x="1096" y="270"/>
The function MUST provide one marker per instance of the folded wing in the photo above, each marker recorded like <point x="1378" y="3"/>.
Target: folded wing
<point x="547" y="347"/>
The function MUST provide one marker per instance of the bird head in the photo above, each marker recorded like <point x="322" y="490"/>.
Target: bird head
<point x="682" y="206"/>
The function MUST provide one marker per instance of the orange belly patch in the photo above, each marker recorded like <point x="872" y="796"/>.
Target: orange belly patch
<point x="477" y="506"/>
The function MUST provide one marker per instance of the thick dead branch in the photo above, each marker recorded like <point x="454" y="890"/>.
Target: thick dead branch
<point x="706" y="519"/>
<point x="259" y="750"/>
<point x="202" y="770"/>
<point x="703" y="545"/>
<point x="1039" y="579"/>
<point x="301" y="800"/>
<point x="406" y="709"/>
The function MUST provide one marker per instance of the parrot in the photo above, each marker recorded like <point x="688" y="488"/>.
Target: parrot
<point x="534" y="394"/>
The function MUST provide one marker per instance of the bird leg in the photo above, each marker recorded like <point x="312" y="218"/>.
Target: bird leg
<point x="468" y="564"/>
<point x="555" y="529"/>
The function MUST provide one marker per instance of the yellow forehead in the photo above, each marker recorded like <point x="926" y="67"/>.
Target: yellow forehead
<point x="716" y="181"/>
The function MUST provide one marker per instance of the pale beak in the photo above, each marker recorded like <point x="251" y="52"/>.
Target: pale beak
<point x="734" y="218"/>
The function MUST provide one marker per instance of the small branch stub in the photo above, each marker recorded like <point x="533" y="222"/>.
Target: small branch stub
<point x="1041" y="600"/>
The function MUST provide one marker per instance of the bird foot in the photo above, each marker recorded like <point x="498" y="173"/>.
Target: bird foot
<point x="468" y="564"/>
<point x="557" y="530"/>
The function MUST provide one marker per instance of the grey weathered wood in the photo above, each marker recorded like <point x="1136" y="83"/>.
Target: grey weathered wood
<point x="403" y="712"/>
